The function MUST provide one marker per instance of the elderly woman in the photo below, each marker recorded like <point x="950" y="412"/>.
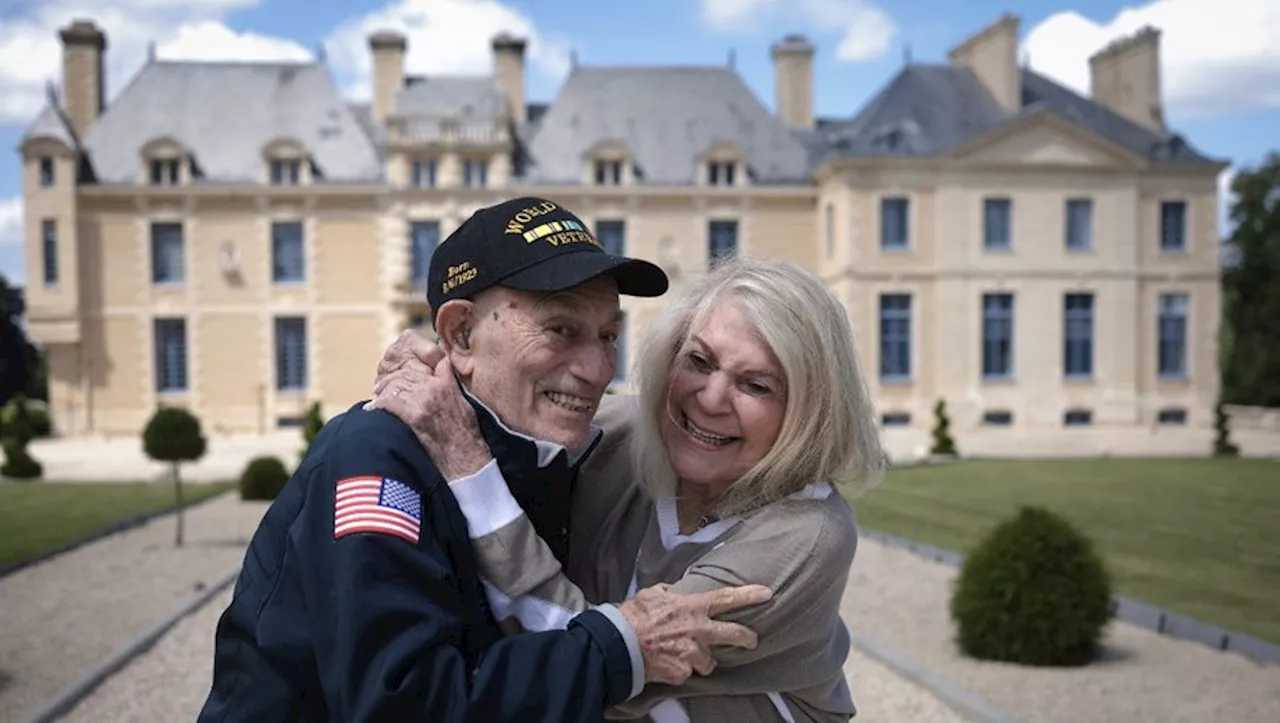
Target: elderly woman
<point x="751" y="402"/>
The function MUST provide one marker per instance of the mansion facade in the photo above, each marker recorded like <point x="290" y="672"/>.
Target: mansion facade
<point x="239" y="239"/>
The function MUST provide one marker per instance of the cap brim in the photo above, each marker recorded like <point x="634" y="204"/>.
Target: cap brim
<point x="635" y="277"/>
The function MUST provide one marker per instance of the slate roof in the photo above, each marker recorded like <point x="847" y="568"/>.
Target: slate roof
<point x="665" y="116"/>
<point x="929" y="109"/>
<point x="225" y="114"/>
<point x="453" y="96"/>
<point x="1037" y="90"/>
<point x="51" y="124"/>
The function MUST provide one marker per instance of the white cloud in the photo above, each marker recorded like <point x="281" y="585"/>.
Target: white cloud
<point x="444" y="37"/>
<point x="11" y="221"/>
<point x="1225" y="199"/>
<point x="865" y="30"/>
<point x="12" y="255"/>
<point x="1217" y="56"/>
<point x="211" y="40"/>
<point x="30" y="50"/>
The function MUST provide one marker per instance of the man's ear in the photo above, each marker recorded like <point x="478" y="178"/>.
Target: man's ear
<point x="454" y="323"/>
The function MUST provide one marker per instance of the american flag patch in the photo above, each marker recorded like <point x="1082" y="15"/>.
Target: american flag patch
<point x="377" y="504"/>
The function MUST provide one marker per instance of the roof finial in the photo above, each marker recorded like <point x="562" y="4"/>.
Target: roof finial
<point x="573" y="58"/>
<point x="321" y="55"/>
<point x="1026" y="57"/>
<point x="151" y="51"/>
<point x="733" y="58"/>
<point x="51" y="92"/>
<point x="906" y="54"/>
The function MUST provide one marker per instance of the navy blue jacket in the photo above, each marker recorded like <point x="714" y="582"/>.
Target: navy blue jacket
<point x="372" y="626"/>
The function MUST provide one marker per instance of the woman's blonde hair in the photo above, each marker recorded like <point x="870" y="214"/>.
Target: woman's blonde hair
<point x="828" y="429"/>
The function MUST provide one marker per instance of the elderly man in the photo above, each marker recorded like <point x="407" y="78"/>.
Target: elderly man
<point x="360" y="598"/>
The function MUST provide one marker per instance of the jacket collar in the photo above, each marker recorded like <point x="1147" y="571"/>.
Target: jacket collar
<point x="544" y="452"/>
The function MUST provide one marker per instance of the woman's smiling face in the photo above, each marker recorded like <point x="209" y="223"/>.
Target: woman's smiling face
<point x="726" y="401"/>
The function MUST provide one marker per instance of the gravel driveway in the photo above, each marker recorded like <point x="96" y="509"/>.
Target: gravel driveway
<point x="169" y="683"/>
<point x="66" y="615"/>
<point x="901" y="600"/>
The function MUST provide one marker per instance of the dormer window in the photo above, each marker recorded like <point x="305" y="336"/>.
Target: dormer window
<point x="896" y="137"/>
<point x="722" y="164"/>
<point x="166" y="163"/>
<point x="608" y="172"/>
<point x="609" y="163"/>
<point x="721" y="173"/>
<point x="166" y="172"/>
<point x="287" y="163"/>
<point x="286" y="172"/>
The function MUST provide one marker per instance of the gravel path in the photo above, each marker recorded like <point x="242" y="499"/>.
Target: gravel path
<point x="882" y="696"/>
<point x="167" y="683"/>
<point x="65" y="616"/>
<point x="901" y="599"/>
<point x="99" y="597"/>
<point x="170" y="681"/>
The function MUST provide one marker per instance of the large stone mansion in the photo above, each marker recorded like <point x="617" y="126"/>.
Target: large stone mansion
<point x="240" y="239"/>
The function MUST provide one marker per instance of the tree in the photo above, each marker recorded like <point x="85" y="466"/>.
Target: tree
<point x="943" y="444"/>
<point x="19" y="358"/>
<point x="173" y="435"/>
<point x="1251" y="289"/>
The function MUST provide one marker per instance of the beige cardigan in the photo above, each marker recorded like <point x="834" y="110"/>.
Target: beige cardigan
<point x="801" y="547"/>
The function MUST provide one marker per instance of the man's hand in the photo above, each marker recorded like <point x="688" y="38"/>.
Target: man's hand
<point x="431" y="403"/>
<point x="677" y="632"/>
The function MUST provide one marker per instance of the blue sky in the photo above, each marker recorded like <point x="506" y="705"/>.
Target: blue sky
<point x="1221" y="72"/>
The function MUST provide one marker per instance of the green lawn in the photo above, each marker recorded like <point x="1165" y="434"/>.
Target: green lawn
<point x="1196" y="536"/>
<point x="37" y="517"/>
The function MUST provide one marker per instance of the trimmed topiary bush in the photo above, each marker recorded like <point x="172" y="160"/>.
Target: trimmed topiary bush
<point x="25" y="418"/>
<point x="22" y="421"/>
<point x="1033" y="592"/>
<point x="311" y="426"/>
<point x="173" y="435"/>
<point x="1222" y="444"/>
<point x="18" y="462"/>
<point x="20" y="427"/>
<point x="263" y="478"/>
<point x="943" y="444"/>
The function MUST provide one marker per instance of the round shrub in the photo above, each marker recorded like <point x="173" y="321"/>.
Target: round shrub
<point x="263" y="478"/>
<point x="18" y="462"/>
<point x="1034" y="592"/>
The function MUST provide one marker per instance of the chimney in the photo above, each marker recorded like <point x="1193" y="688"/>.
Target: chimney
<point x="508" y="66"/>
<point x="992" y="55"/>
<point x="83" y="77"/>
<point x="793" y="81"/>
<point x="1125" y="77"/>
<point x="388" y="71"/>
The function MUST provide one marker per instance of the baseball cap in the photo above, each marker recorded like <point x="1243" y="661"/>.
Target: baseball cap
<point x="530" y="244"/>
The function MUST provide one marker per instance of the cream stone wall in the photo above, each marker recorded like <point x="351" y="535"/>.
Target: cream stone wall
<point x="355" y="297"/>
<point x="946" y="269"/>
<point x="107" y="384"/>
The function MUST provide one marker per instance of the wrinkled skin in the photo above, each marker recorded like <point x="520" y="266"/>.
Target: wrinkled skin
<point x="416" y="383"/>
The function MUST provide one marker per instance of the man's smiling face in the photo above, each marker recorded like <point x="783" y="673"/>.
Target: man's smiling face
<point x="542" y="362"/>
